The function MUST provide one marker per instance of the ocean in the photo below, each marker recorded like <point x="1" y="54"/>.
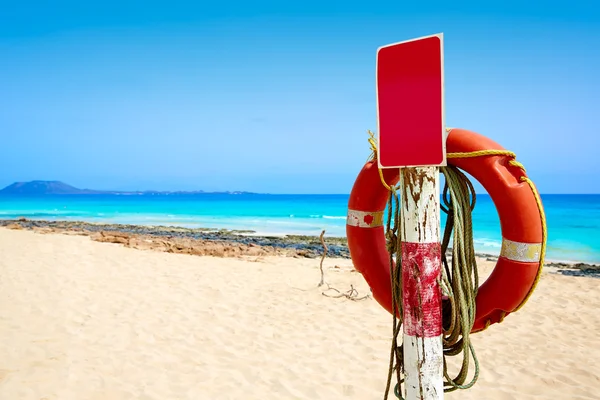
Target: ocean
<point x="573" y="220"/>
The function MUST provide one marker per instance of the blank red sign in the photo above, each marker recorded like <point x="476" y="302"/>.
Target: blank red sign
<point x="410" y="103"/>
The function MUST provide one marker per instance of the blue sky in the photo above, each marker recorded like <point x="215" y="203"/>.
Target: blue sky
<point x="276" y="96"/>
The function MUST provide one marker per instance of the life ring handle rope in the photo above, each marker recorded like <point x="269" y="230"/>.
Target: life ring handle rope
<point x="514" y="163"/>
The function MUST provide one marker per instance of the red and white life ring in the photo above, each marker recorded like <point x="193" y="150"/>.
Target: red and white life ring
<point x="521" y="218"/>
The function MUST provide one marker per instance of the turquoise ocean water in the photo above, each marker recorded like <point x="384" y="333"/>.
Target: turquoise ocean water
<point x="573" y="220"/>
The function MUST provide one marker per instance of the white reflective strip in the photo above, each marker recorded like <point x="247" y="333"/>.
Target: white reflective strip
<point x="523" y="252"/>
<point x="365" y="219"/>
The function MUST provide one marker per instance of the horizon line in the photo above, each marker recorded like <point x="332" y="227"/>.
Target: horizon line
<point x="231" y="192"/>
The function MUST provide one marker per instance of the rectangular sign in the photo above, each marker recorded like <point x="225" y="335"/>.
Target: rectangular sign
<point x="410" y="103"/>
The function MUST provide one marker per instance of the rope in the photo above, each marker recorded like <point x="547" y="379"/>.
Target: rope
<point x="373" y="144"/>
<point x="394" y="247"/>
<point x="460" y="279"/>
<point x="538" y="201"/>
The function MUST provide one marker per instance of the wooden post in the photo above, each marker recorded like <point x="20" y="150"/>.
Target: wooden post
<point x="421" y="270"/>
<point x="411" y="122"/>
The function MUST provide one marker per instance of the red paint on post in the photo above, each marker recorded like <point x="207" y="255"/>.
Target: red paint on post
<point x="422" y="298"/>
<point x="410" y="108"/>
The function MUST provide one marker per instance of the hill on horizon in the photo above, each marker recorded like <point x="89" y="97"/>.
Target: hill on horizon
<point x="43" y="187"/>
<point x="38" y="188"/>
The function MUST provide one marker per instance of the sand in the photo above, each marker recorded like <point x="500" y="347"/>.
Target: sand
<point x="86" y="320"/>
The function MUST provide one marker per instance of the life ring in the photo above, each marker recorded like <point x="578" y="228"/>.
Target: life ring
<point x="521" y="219"/>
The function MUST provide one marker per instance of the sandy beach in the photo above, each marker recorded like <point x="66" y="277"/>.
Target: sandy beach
<point x="83" y="320"/>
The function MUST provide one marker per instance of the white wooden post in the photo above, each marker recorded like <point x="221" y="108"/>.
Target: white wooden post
<point x="411" y="121"/>
<point x="421" y="269"/>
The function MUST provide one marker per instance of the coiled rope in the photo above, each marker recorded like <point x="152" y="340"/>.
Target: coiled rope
<point x="459" y="282"/>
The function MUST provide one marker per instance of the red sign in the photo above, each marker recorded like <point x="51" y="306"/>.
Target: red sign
<point x="410" y="103"/>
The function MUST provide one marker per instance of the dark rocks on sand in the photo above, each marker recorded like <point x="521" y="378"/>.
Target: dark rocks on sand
<point x="224" y="243"/>
<point x="221" y="243"/>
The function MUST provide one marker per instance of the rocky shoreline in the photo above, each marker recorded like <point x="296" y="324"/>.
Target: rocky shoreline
<point x="225" y="243"/>
<point x="201" y="241"/>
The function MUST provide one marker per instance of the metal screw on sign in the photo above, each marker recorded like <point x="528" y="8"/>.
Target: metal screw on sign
<point x="410" y="117"/>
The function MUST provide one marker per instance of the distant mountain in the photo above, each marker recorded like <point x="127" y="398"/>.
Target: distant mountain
<point x="43" y="187"/>
<point x="38" y="188"/>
